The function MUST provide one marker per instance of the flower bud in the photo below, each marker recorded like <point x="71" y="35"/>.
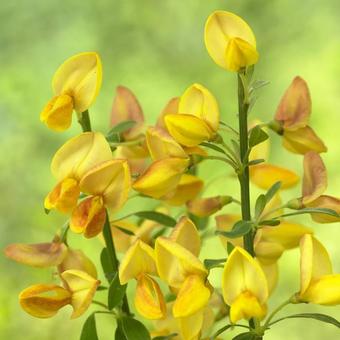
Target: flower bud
<point x="203" y="207"/>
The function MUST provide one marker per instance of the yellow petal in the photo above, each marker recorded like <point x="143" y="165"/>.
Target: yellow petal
<point x="37" y="255"/>
<point x="240" y="54"/>
<point x="187" y="129"/>
<point x="295" y="106"/>
<point x="268" y="252"/>
<point x="111" y="180"/>
<point x="149" y="300"/>
<point x="314" y="263"/>
<point x="195" y="150"/>
<point x="88" y="217"/>
<point x="126" y="107"/>
<point x="314" y="177"/>
<point x="139" y="259"/>
<point x="260" y="151"/>
<point x="271" y="271"/>
<point x="274" y="203"/>
<point x="302" y="140"/>
<point x="57" y="114"/>
<point x="175" y="263"/>
<point x="170" y="108"/>
<point x="246" y="306"/>
<point x="328" y="202"/>
<point x="265" y="175"/>
<point x="185" y="233"/>
<point x="226" y="222"/>
<point x="203" y="207"/>
<point x="76" y="259"/>
<point x="64" y="196"/>
<point x="80" y="154"/>
<point x="44" y="301"/>
<point x="80" y="77"/>
<point x="191" y="326"/>
<point x="161" y="145"/>
<point x="122" y="241"/>
<point x="162" y="177"/>
<point x="136" y="156"/>
<point x="243" y="273"/>
<point x="220" y="28"/>
<point x="199" y="101"/>
<point x="193" y="295"/>
<point x="187" y="189"/>
<point x="324" y="291"/>
<point x="83" y="287"/>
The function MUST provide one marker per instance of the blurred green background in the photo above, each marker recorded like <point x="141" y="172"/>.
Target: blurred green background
<point x="156" y="49"/>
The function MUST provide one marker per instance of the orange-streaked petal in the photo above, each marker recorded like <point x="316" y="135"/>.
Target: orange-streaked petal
<point x="327" y="202"/>
<point x="136" y="156"/>
<point x="226" y="222"/>
<point x="203" y="207"/>
<point x="170" y="108"/>
<point x="122" y="241"/>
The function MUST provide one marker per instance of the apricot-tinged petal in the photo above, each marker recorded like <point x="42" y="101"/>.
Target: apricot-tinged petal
<point x="314" y="177"/>
<point x="203" y="207"/>
<point x="327" y="202"/>
<point x="187" y="129"/>
<point x="192" y="296"/>
<point x="126" y="107"/>
<point x="175" y="263"/>
<point x="199" y="101"/>
<point x="314" y="262"/>
<point x="265" y="175"/>
<point x="191" y="326"/>
<point x="170" y="108"/>
<point x="57" y="114"/>
<point x="161" y="145"/>
<point x="302" y="140"/>
<point x="139" y="259"/>
<point x="185" y="233"/>
<point x="149" y="300"/>
<point x="246" y="306"/>
<point x="89" y="217"/>
<point x="44" y="301"/>
<point x="80" y="77"/>
<point x="79" y="154"/>
<point x="268" y="252"/>
<point x="37" y="255"/>
<point x="271" y="271"/>
<point x="324" y="291"/>
<point x="220" y="27"/>
<point x="122" y="241"/>
<point x="295" y="106"/>
<point x="136" y="156"/>
<point x="243" y="273"/>
<point x="226" y="222"/>
<point x="64" y="196"/>
<point x="111" y="180"/>
<point x="83" y="287"/>
<point x="162" y="177"/>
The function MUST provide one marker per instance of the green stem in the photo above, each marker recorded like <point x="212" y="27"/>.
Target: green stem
<point x="275" y="311"/>
<point x="84" y="121"/>
<point x="113" y="257"/>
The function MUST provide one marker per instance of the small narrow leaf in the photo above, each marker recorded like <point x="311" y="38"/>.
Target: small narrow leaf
<point x="257" y="84"/>
<point x="273" y="190"/>
<point x="165" y="337"/>
<point x="116" y="293"/>
<point x="256" y="161"/>
<point x="213" y="147"/>
<point x="271" y="223"/>
<point x="122" y="127"/>
<point x="119" y="334"/>
<point x="311" y="211"/>
<point x="125" y="231"/>
<point x="104" y="260"/>
<point x="89" y="331"/>
<point x="257" y="136"/>
<point x="230" y="247"/>
<point x="245" y="336"/>
<point x="214" y="263"/>
<point x="316" y="316"/>
<point x="240" y="228"/>
<point x="134" y="329"/>
<point x="260" y="205"/>
<point x="157" y="217"/>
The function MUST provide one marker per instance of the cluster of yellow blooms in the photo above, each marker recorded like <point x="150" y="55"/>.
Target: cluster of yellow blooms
<point x="95" y="173"/>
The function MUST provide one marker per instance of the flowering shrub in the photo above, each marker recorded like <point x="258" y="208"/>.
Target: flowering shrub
<point x="96" y="174"/>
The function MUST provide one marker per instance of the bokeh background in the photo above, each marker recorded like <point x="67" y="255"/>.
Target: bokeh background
<point x="155" y="48"/>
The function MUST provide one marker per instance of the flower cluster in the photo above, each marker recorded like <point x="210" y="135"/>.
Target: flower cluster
<point x="158" y="255"/>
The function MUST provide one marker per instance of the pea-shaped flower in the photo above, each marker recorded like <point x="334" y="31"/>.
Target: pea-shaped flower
<point x="230" y="41"/>
<point x="75" y="84"/>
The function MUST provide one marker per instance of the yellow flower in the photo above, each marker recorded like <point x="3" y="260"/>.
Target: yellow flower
<point x="230" y="41"/>
<point x="203" y="207"/>
<point x="244" y="286"/>
<point x="44" y="301"/>
<point x="291" y="120"/>
<point x="70" y="163"/>
<point x="108" y="184"/>
<point x="197" y="119"/>
<point x="139" y="263"/>
<point x="126" y="107"/>
<point x="318" y="283"/>
<point x="75" y="84"/>
<point x="170" y="108"/>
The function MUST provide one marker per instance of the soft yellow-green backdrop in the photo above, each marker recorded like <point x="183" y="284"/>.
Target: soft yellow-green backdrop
<point x="156" y="48"/>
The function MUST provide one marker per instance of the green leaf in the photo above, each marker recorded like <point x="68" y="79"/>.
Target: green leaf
<point x="273" y="190"/>
<point x="230" y="247"/>
<point x="118" y="129"/>
<point x="100" y="288"/>
<point x="256" y="161"/>
<point x="134" y="329"/>
<point x="157" y="217"/>
<point x="245" y="336"/>
<point x="125" y="231"/>
<point x="316" y="316"/>
<point x="165" y="337"/>
<point x="257" y="136"/>
<point x="311" y="211"/>
<point x="47" y="211"/>
<point x="119" y="334"/>
<point x="257" y="84"/>
<point x="214" y="263"/>
<point x="271" y="223"/>
<point x="220" y="331"/>
<point x="89" y="331"/>
<point x="105" y="262"/>
<point x="260" y="205"/>
<point x="240" y="228"/>
<point x="116" y="292"/>
<point x="213" y="147"/>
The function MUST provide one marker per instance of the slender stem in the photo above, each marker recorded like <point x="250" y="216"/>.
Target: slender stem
<point x="84" y="121"/>
<point x="275" y="311"/>
<point x="243" y="107"/>
<point x="220" y="159"/>
<point x="95" y="302"/>
<point x="113" y="257"/>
